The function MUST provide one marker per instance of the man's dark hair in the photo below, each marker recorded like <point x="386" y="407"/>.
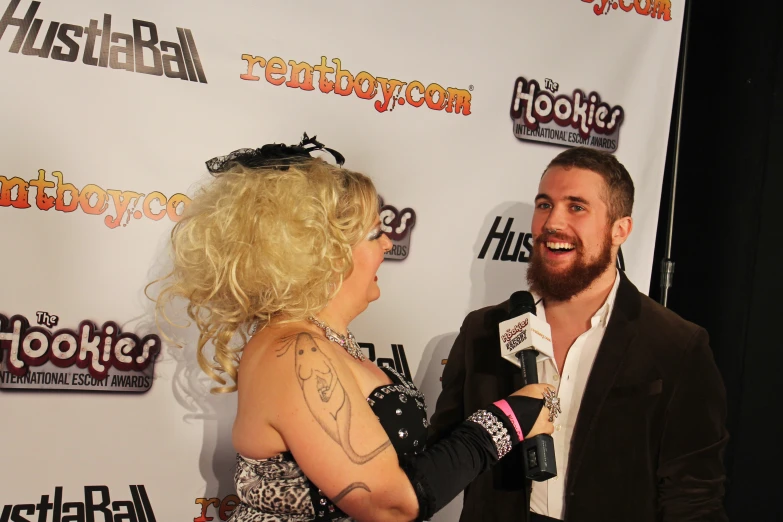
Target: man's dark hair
<point x="619" y="184"/>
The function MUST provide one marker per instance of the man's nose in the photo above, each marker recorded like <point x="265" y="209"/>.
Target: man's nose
<point x="556" y="219"/>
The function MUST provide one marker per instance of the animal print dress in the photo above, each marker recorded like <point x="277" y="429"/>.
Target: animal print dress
<point x="276" y="489"/>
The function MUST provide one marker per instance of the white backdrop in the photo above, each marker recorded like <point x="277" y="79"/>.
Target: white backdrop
<point x="72" y="115"/>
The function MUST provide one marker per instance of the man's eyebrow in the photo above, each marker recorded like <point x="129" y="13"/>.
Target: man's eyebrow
<point x="575" y="199"/>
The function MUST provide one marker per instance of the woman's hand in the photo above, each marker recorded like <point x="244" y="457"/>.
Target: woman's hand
<point x="542" y="424"/>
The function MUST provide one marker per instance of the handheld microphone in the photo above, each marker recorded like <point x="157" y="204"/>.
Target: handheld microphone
<point x="524" y="340"/>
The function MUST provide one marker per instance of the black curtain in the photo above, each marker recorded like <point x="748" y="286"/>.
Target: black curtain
<point x="728" y="231"/>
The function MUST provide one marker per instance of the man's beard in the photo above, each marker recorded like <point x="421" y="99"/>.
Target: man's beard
<point x="563" y="285"/>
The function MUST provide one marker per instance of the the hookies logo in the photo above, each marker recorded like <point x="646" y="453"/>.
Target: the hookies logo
<point x="562" y="119"/>
<point x="390" y="92"/>
<point x="397" y="225"/>
<point x="87" y="359"/>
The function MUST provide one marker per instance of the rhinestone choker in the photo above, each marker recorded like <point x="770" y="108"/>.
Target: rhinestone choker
<point x="349" y="342"/>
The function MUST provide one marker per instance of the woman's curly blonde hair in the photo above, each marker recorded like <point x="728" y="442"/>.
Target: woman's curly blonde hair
<point x="264" y="243"/>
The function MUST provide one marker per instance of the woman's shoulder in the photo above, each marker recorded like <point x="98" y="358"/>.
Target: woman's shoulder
<point x="277" y="351"/>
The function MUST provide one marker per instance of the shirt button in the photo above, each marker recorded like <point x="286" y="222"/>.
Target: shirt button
<point x="555" y="377"/>
<point x="558" y="427"/>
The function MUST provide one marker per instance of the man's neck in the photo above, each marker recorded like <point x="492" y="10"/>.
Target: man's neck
<point x="582" y="307"/>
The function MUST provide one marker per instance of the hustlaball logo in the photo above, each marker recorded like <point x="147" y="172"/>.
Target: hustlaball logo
<point x="564" y="119"/>
<point x="509" y="245"/>
<point x="141" y="52"/>
<point x="97" y="505"/>
<point x="657" y="9"/>
<point x="397" y="225"/>
<point x="390" y="93"/>
<point x="119" y="206"/>
<point x="87" y="359"/>
<point x="397" y="362"/>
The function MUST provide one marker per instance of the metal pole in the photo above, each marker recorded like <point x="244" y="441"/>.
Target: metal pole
<point x="667" y="264"/>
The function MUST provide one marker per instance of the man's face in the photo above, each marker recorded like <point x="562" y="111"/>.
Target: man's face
<point x="573" y="235"/>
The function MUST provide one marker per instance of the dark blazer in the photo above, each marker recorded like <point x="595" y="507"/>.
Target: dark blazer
<point x="650" y="435"/>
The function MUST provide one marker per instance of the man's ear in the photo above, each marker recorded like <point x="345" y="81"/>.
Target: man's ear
<point x="621" y="229"/>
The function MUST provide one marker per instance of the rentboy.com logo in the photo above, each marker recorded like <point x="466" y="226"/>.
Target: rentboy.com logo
<point x="339" y="80"/>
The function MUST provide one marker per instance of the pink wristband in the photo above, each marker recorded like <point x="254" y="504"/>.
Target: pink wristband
<point x="505" y="408"/>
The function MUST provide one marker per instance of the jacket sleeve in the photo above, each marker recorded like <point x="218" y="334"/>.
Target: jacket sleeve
<point x="690" y="473"/>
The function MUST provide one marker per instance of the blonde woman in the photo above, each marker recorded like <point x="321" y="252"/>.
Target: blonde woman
<point x="281" y="250"/>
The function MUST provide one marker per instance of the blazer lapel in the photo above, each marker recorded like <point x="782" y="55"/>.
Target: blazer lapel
<point x="619" y="334"/>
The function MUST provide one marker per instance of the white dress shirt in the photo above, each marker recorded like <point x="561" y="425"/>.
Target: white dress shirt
<point x="548" y="496"/>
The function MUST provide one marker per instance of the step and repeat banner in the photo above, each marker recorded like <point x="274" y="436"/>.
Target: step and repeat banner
<point x="109" y="113"/>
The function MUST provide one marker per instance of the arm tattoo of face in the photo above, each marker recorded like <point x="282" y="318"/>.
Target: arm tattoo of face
<point x="348" y="489"/>
<point x="325" y="396"/>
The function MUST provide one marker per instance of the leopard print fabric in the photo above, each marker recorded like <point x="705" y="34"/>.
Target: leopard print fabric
<point x="277" y="490"/>
<point x="273" y="490"/>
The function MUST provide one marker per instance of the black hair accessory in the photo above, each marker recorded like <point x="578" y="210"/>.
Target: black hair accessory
<point x="273" y="155"/>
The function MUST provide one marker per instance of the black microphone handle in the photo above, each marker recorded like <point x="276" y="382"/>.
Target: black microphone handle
<point x="527" y="359"/>
<point x="539" y="450"/>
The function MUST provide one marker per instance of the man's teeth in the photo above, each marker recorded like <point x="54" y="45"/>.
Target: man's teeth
<point x="560" y="246"/>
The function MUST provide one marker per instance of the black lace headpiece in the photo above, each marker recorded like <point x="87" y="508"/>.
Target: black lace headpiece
<point x="273" y="155"/>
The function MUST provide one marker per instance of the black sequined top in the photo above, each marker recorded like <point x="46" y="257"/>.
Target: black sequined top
<point x="402" y="412"/>
<point x="276" y="489"/>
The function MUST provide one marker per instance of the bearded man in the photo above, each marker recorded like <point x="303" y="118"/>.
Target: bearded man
<point x="642" y="431"/>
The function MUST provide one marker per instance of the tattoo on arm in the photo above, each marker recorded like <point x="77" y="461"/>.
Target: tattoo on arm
<point x="325" y="396"/>
<point x="348" y="489"/>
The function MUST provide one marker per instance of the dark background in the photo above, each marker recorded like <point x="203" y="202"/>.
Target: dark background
<point x="728" y="231"/>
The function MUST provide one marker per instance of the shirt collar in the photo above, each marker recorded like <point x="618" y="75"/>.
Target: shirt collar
<point x="601" y="315"/>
